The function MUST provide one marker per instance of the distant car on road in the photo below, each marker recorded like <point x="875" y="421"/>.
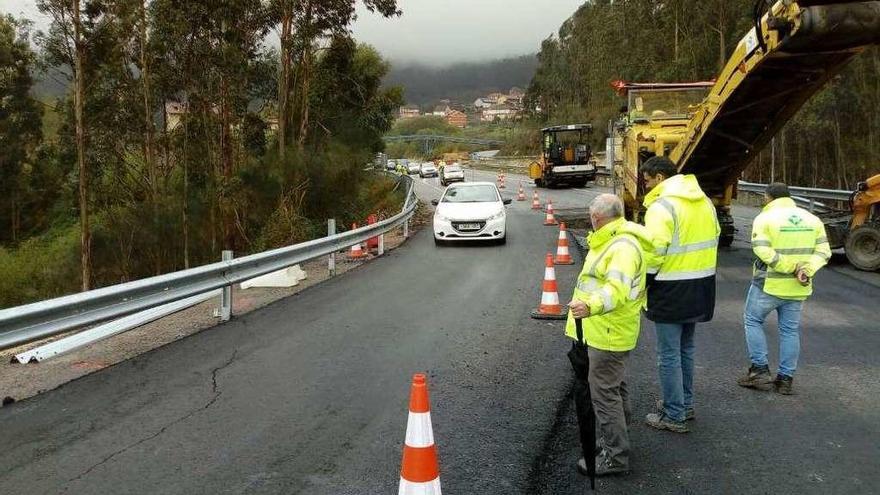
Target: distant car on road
<point x="471" y="211"/>
<point x="451" y="173"/>
<point x="428" y="170"/>
<point x="390" y="165"/>
<point x="413" y="168"/>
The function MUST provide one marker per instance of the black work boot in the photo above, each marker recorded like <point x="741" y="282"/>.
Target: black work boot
<point x="758" y="378"/>
<point x="782" y="384"/>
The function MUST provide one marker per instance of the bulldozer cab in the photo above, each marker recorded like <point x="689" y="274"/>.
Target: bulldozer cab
<point x="671" y="103"/>
<point x="567" y="144"/>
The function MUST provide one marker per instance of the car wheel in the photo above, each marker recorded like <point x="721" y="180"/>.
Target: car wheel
<point x="502" y="241"/>
<point x="439" y="242"/>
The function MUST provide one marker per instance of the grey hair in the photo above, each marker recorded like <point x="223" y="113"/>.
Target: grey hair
<point x="607" y="206"/>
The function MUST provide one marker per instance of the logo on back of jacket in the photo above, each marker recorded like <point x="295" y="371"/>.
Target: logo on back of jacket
<point x="795" y="224"/>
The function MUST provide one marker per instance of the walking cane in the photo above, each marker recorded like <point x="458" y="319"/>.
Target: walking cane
<point x="588" y="444"/>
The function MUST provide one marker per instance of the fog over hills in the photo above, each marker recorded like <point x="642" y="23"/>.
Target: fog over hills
<point x="462" y="82"/>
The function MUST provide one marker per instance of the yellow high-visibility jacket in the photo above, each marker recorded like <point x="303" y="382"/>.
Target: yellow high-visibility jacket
<point x="612" y="284"/>
<point x="684" y="228"/>
<point x="783" y="237"/>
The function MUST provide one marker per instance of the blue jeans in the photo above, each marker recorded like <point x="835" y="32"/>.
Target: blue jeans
<point x="675" y="355"/>
<point x="759" y="304"/>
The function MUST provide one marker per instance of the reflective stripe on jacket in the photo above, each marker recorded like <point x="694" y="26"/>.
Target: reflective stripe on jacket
<point x="783" y="237"/>
<point x="612" y="284"/>
<point x="684" y="227"/>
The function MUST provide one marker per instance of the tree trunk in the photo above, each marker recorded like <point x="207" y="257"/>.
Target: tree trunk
<point x="149" y="150"/>
<point x="185" y="208"/>
<point x="13" y="217"/>
<point x="284" y="79"/>
<point x="304" y="109"/>
<point x="675" y="57"/>
<point x="226" y="166"/>
<point x="306" y="70"/>
<point x="78" y="95"/>
<point x="722" y="41"/>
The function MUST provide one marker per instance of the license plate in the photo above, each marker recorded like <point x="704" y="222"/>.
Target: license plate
<point x="469" y="226"/>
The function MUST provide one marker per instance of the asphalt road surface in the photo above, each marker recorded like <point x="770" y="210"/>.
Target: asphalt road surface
<point x="309" y="395"/>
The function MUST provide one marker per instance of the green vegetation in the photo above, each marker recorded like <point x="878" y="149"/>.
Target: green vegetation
<point x="180" y="133"/>
<point x="834" y="141"/>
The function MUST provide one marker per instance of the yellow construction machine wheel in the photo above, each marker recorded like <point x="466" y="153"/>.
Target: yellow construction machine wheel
<point x="863" y="247"/>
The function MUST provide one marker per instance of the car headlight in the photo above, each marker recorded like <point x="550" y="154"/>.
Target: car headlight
<point x="496" y="216"/>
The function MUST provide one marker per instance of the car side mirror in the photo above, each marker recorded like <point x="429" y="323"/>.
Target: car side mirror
<point x="507" y="201"/>
<point x="435" y="202"/>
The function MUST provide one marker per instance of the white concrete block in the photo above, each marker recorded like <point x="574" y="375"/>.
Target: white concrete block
<point x="287" y="277"/>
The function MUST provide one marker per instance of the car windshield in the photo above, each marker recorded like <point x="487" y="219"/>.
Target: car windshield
<point x="471" y="194"/>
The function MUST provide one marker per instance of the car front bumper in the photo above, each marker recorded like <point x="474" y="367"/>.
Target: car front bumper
<point x="492" y="229"/>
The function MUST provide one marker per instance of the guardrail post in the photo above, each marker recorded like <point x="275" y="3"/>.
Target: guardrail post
<point x="406" y="229"/>
<point x="812" y="205"/>
<point x="331" y="260"/>
<point x="381" y="247"/>
<point x="226" y="295"/>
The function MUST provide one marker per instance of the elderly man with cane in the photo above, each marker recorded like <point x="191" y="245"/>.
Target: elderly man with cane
<point x="603" y="321"/>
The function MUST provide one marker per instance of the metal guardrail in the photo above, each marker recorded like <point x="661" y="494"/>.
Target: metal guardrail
<point x="436" y="138"/>
<point x="805" y="192"/>
<point x="35" y="321"/>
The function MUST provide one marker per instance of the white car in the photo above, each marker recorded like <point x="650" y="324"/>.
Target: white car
<point x="413" y="168"/>
<point x="451" y="173"/>
<point x="428" y="170"/>
<point x="470" y="211"/>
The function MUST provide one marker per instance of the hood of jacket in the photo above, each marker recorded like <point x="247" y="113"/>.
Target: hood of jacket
<point x="598" y="238"/>
<point x="679" y="186"/>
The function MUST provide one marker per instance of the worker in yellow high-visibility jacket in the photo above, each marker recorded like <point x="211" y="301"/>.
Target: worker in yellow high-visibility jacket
<point x="681" y="282"/>
<point x="790" y="245"/>
<point x="609" y="296"/>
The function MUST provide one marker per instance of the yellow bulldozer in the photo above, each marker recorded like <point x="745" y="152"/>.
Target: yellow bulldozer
<point x="715" y="129"/>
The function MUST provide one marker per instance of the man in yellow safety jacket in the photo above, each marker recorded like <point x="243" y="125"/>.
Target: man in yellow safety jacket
<point x="790" y="245"/>
<point x="681" y="283"/>
<point x="609" y="296"/>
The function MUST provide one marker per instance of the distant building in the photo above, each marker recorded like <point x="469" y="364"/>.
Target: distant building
<point x="481" y="103"/>
<point x="515" y="97"/>
<point x="456" y="118"/>
<point x="498" y="112"/>
<point x="408" y="112"/>
<point x="441" y="110"/>
<point x="174" y="113"/>
<point x="497" y="98"/>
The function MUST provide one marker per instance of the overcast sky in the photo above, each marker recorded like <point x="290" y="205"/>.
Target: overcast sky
<point x="437" y="31"/>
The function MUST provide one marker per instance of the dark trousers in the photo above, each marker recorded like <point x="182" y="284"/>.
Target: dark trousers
<point x="610" y="399"/>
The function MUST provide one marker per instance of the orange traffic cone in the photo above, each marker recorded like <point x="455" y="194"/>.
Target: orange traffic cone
<point x="563" y="257"/>
<point x="536" y="203"/>
<point x="550" y="220"/>
<point x="550" y="309"/>
<point x="420" y="470"/>
<point x="357" y="252"/>
<point x="521" y="196"/>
